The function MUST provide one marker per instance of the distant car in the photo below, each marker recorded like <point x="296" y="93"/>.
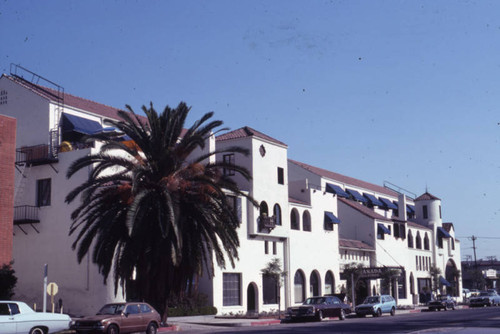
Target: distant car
<point x="485" y="298"/>
<point x="442" y="303"/>
<point x="376" y="306"/>
<point x="319" y="308"/>
<point x="120" y="318"/>
<point x="474" y="292"/>
<point x="19" y="318"/>
<point x="466" y="293"/>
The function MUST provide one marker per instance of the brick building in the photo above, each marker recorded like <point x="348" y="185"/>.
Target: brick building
<point x="7" y="158"/>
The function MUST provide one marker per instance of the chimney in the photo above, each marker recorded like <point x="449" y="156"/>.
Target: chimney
<point x="402" y="215"/>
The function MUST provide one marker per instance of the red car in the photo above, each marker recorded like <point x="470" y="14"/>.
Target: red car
<point x="120" y="318"/>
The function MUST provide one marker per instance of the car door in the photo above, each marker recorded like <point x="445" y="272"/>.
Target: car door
<point x="7" y="322"/>
<point x="386" y="306"/>
<point x="132" y="320"/>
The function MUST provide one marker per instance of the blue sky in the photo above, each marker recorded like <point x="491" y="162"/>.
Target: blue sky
<point x="400" y="91"/>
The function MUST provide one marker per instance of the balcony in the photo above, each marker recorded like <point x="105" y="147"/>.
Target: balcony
<point x="26" y="214"/>
<point x="266" y="224"/>
<point x="35" y="155"/>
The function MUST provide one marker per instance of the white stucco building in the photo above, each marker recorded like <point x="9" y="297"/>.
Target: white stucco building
<point x="313" y="220"/>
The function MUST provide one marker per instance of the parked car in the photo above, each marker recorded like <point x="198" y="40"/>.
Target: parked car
<point x="319" y="308"/>
<point x="376" y="305"/>
<point x="19" y="318"/>
<point x="442" y="303"/>
<point x="485" y="298"/>
<point x="474" y="292"/>
<point x="120" y="318"/>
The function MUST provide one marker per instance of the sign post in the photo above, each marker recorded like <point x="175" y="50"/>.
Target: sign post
<point x="45" y="272"/>
<point x="52" y="291"/>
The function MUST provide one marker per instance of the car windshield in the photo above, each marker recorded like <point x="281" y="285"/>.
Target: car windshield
<point x="372" y="300"/>
<point x="313" y="301"/>
<point x="442" y="297"/>
<point x="111" y="309"/>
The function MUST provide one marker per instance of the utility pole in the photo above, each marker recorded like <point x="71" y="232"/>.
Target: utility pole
<point x="474" y="248"/>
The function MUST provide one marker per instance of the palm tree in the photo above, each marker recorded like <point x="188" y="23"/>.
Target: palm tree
<point x="153" y="213"/>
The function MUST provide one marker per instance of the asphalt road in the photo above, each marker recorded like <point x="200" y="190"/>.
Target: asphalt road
<point x="476" y="320"/>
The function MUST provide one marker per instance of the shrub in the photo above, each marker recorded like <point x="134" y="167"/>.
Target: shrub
<point x="7" y="281"/>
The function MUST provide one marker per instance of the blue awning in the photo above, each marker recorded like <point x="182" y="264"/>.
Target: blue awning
<point x="331" y="218"/>
<point x="383" y="229"/>
<point x="388" y="204"/>
<point x="79" y="124"/>
<point x="410" y="209"/>
<point x="334" y="189"/>
<point x="443" y="281"/>
<point x="373" y="200"/>
<point x="443" y="233"/>
<point x="357" y="196"/>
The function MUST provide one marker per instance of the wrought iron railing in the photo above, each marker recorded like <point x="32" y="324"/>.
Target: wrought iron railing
<point x="26" y="214"/>
<point x="267" y="223"/>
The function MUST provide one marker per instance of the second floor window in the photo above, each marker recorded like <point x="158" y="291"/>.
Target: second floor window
<point x="228" y="160"/>
<point x="43" y="191"/>
<point x="281" y="176"/>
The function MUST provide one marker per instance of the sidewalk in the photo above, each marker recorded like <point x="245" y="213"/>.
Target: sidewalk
<point x="178" y="323"/>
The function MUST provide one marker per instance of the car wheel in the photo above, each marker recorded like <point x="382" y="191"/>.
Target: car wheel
<point x="445" y="308"/>
<point x="342" y="314"/>
<point x="453" y="307"/>
<point x="113" y="329"/>
<point x="151" y="328"/>
<point x="320" y="315"/>
<point x="393" y="311"/>
<point x="37" y="330"/>
<point x="379" y="313"/>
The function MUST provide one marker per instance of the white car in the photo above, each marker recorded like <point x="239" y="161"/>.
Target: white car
<point x="19" y="318"/>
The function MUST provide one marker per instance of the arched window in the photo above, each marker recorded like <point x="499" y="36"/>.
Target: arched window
<point x="277" y="213"/>
<point x="410" y="239"/>
<point x="294" y="220"/>
<point x="306" y="221"/>
<point x="298" y="287"/>
<point x="314" y="284"/>
<point x="263" y="209"/>
<point x="419" y="241"/>
<point x="426" y="242"/>
<point x="329" y="283"/>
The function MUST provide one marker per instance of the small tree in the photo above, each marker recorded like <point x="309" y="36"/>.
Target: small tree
<point x="7" y="281"/>
<point x="352" y="273"/>
<point x="273" y="269"/>
<point x="435" y="272"/>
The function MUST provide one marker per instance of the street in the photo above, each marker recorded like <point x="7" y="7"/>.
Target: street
<point x="478" y="319"/>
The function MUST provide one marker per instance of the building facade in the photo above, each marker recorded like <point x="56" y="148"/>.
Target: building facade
<point x="314" y="221"/>
<point x="7" y="173"/>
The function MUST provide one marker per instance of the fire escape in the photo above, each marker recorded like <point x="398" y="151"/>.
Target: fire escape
<point x="36" y="155"/>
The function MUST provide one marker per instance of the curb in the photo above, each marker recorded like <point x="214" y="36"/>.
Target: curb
<point x="265" y="323"/>
<point x="173" y="328"/>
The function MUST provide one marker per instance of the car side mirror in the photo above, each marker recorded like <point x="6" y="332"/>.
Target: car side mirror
<point x="125" y="314"/>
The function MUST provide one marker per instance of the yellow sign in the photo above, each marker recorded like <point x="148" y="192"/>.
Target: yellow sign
<point x="52" y="289"/>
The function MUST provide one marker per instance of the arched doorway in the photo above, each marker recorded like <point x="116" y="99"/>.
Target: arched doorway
<point x="314" y="285"/>
<point x="299" y="287"/>
<point x="252" y="296"/>
<point x="452" y="275"/>
<point x="329" y="283"/>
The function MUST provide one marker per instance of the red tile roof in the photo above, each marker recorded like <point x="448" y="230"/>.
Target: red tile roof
<point x="348" y="243"/>
<point x="345" y="179"/>
<point x="247" y="132"/>
<point x="70" y="100"/>
<point x="413" y="224"/>
<point x="448" y="226"/>
<point x="296" y="201"/>
<point x="426" y="196"/>
<point x="363" y="209"/>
